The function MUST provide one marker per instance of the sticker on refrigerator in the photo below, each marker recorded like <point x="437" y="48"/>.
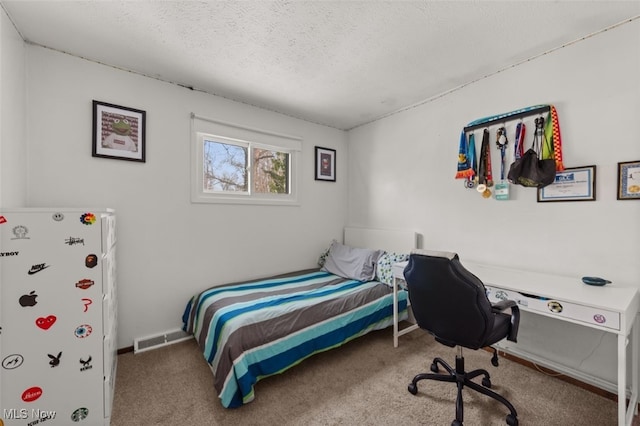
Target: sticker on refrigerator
<point x="13" y="361"/>
<point x="88" y="219"/>
<point x="54" y="360"/>
<point x="32" y="394"/>
<point x="45" y="323"/>
<point x="91" y="261"/>
<point x="83" y="331"/>
<point x="80" y="414"/>
<point x="72" y="241"/>
<point x="86" y="365"/>
<point x="58" y="217"/>
<point x="37" y="268"/>
<point x="20" y="232"/>
<point x="28" y="299"/>
<point x="3" y="219"/>
<point x="85" y="283"/>
<point x="86" y="301"/>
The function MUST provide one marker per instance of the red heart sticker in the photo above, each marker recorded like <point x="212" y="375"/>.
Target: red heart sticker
<point x="2" y="219"/>
<point x="46" y="323"/>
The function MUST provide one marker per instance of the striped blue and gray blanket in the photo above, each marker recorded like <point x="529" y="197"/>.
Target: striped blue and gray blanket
<point x="251" y="330"/>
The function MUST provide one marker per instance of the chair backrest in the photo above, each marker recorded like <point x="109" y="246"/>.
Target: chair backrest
<point x="447" y="300"/>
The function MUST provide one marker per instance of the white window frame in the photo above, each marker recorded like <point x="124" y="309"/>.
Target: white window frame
<point x="219" y="131"/>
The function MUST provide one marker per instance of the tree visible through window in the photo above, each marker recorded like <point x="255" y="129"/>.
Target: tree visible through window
<point x="225" y="167"/>
<point x="240" y="168"/>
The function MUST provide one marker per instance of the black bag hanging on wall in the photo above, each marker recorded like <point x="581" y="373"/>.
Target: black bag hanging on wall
<point x="530" y="170"/>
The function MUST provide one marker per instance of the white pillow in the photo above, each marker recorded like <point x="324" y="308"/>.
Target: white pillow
<point x="351" y="262"/>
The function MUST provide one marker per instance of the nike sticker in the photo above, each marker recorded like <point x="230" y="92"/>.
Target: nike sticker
<point x="37" y="268"/>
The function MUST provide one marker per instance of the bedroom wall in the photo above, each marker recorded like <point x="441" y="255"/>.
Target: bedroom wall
<point x="12" y="115"/>
<point x="402" y="176"/>
<point x="169" y="248"/>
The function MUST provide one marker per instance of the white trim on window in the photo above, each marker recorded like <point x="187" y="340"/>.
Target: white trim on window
<point x="208" y="129"/>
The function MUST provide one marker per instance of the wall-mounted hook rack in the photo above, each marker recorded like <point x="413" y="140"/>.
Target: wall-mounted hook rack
<point x="509" y="116"/>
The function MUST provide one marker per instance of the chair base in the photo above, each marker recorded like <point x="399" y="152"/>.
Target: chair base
<point x="462" y="379"/>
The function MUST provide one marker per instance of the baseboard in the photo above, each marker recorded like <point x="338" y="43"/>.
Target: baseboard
<point x="125" y="350"/>
<point x="560" y="376"/>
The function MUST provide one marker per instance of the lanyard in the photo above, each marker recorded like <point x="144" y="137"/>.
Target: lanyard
<point x="473" y="160"/>
<point x="484" y="167"/>
<point x="501" y="143"/>
<point x="537" y="145"/>
<point x="519" y="146"/>
<point x="557" y="141"/>
<point x="485" y="179"/>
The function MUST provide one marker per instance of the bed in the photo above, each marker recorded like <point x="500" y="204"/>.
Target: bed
<point x="254" y="329"/>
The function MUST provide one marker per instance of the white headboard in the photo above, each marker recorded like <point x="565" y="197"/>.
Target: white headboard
<point x="398" y="240"/>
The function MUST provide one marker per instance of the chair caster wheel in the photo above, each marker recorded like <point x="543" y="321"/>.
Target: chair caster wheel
<point x="413" y="389"/>
<point x="512" y="420"/>
<point x="434" y="367"/>
<point x="487" y="383"/>
<point x="456" y="423"/>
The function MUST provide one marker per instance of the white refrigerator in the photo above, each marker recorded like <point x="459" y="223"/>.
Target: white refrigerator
<point x="57" y="316"/>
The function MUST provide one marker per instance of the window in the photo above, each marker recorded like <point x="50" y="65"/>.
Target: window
<point x="234" y="164"/>
<point x="236" y="167"/>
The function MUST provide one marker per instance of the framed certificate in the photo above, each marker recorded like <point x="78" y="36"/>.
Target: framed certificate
<point x="572" y="184"/>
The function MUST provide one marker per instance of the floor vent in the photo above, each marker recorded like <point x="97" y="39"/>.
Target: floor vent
<point x="159" y="340"/>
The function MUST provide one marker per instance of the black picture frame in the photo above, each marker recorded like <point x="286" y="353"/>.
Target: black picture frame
<point x="629" y="180"/>
<point x="118" y="132"/>
<point x="325" y="168"/>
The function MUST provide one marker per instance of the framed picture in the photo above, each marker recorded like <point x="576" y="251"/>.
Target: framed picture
<point x="118" y="132"/>
<point x="629" y="180"/>
<point x="325" y="164"/>
<point x="572" y="184"/>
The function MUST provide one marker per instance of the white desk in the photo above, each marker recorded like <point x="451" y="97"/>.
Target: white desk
<point x="611" y="308"/>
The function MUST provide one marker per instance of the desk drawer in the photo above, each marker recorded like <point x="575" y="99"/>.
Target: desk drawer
<point x="554" y="307"/>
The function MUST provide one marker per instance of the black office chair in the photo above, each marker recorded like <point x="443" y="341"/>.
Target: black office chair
<point x="451" y="303"/>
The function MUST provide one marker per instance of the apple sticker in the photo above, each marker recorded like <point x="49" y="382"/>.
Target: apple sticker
<point x="28" y="299"/>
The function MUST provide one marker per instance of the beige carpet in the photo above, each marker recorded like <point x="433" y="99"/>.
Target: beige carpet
<point x="361" y="383"/>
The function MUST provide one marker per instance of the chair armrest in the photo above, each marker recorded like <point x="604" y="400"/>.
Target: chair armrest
<point x="503" y="305"/>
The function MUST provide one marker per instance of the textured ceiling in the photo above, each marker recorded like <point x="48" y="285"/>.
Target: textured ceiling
<point x="337" y="63"/>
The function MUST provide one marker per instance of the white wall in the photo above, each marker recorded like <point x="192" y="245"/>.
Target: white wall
<point x="13" y="179"/>
<point x="401" y="174"/>
<point x="169" y="248"/>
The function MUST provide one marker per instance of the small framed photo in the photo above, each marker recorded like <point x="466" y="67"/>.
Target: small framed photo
<point x="118" y="132"/>
<point x="572" y="184"/>
<point x="629" y="180"/>
<point x="325" y="164"/>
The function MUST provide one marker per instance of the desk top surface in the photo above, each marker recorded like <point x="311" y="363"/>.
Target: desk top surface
<point x="619" y="298"/>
